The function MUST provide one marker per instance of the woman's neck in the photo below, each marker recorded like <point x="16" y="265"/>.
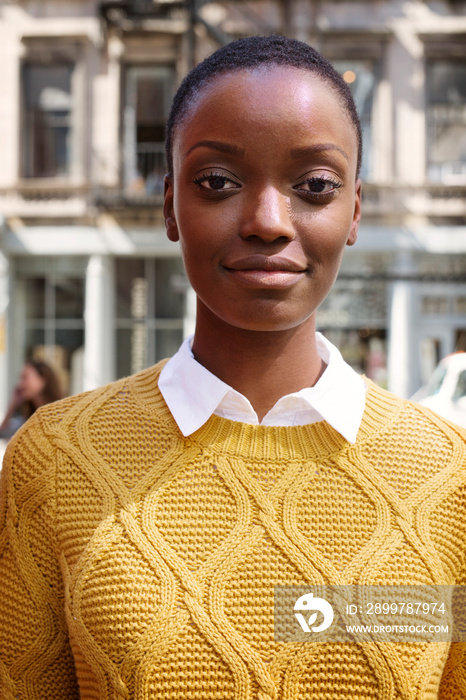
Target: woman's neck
<point x="261" y="365"/>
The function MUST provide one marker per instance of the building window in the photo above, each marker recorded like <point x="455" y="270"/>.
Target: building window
<point x="446" y="121"/>
<point x="47" y="120"/>
<point x="361" y="79"/>
<point x="435" y="305"/>
<point x="149" y="311"/>
<point x="49" y="309"/>
<point x="148" y="95"/>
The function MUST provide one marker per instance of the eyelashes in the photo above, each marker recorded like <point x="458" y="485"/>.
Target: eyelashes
<point x="216" y="182"/>
<point x="318" y="189"/>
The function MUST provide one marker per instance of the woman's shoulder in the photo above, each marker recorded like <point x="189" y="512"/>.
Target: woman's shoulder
<point x="413" y="449"/>
<point x="395" y="415"/>
<point x="114" y="406"/>
<point x="119" y="397"/>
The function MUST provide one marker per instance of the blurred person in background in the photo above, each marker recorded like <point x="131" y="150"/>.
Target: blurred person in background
<point x="37" y="386"/>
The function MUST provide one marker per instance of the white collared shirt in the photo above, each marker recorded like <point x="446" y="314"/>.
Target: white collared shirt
<point x="193" y="395"/>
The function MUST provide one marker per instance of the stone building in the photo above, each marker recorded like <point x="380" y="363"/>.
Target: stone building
<point x="87" y="276"/>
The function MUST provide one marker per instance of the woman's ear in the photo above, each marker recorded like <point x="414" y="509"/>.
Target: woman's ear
<point x="353" y="234"/>
<point x="168" y="210"/>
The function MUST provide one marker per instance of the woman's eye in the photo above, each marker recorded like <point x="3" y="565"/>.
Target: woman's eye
<point x="318" y="186"/>
<point x="216" y="182"/>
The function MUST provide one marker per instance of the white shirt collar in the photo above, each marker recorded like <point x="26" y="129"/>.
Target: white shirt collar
<point x="193" y="394"/>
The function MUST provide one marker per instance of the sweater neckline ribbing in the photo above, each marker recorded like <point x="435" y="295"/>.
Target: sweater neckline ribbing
<point x="260" y="442"/>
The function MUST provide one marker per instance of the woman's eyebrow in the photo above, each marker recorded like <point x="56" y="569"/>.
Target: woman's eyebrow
<point x="310" y="150"/>
<point x="216" y="146"/>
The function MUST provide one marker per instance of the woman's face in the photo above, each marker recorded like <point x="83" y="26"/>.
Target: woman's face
<point x="264" y="196"/>
<point x="31" y="384"/>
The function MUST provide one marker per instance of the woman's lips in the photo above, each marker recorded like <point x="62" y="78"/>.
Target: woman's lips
<point x="262" y="271"/>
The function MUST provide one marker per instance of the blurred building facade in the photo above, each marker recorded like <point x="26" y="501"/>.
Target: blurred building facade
<point x="88" y="279"/>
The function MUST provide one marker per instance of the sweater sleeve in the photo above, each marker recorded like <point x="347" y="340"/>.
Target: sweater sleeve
<point x="35" y="656"/>
<point x="453" y="683"/>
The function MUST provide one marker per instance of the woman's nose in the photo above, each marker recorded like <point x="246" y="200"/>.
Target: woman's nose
<point x="268" y="216"/>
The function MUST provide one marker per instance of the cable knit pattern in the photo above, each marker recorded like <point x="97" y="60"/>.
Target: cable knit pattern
<point x="136" y="563"/>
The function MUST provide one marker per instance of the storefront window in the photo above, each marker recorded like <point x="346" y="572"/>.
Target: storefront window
<point x="149" y="311"/>
<point x="49" y="309"/>
<point x="354" y="318"/>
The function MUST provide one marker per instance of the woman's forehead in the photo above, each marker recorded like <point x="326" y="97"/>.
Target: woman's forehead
<point x="256" y="82"/>
<point x="272" y="97"/>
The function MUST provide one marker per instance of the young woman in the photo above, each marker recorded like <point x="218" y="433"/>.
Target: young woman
<point x="37" y="386"/>
<point x="146" y="524"/>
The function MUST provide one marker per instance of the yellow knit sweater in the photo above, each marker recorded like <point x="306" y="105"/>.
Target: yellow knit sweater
<point x="136" y="563"/>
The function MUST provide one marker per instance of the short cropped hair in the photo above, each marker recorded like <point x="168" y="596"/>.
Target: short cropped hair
<point x="253" y="52"/>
